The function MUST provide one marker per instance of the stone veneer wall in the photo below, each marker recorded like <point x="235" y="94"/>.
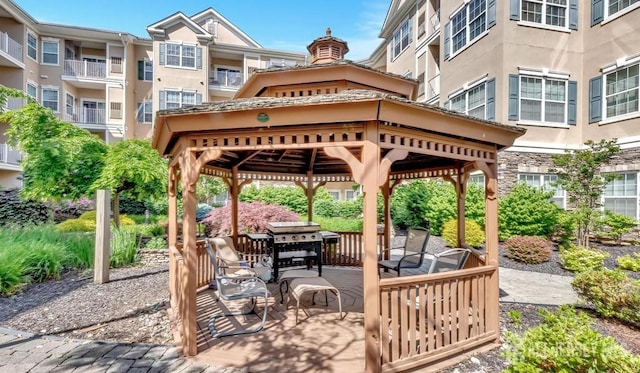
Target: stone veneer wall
<point x="510" y="164"/>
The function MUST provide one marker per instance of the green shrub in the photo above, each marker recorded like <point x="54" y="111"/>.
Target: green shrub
<point x="565" y="342"/>
<point x="565" y="230"/>
<point x="288" y="196"/>
<point x="124" y="248"/>
<point x="325" y="208"/>
<point x="87" y="223"/>
<point x="77" y="225"/>
<point x="202" y="210"/>
<point x="612" y="293"/>
<point x="12" y="276"/>
<point x="349" y="209"/>
<point x="630" y="263"/>
<point x="339" y="224"/>
<point x="528" y="249"/>
<point x="580" y="258"/>
<point x="156" y="243"/>
<point x="432" y="203"/>
<point x="131" y="206"/>
<point x="15" y="211"/>
<point x="474" y="235"/>
<point x="527" y="211"/>
<point x="80" y="250"/>
<point x="615" y="225"/>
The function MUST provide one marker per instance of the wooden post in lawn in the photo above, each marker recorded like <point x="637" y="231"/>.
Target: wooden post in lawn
<point x="103" y="233"/>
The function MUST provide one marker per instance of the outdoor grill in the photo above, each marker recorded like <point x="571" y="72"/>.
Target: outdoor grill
<point x="295" y="243"/>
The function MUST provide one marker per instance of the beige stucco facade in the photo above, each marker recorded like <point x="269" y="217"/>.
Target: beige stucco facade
<point x="581" y="50"/>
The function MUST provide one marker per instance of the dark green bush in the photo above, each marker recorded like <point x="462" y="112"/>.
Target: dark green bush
<point x="565" y="342"/>
<point x="325" y="208"/>
<point x="131" y="206"/>
<point x="615" y="225"/>
<point x="474" y="235"/>
<point x="527" y="211"/>
<point x="13" y="210"/>
<point x="565" y="230"/>
<point x="349" y="209"/>
<point x="422" y="203"/>
<point x="612" y="293"/>
<point x="581" y="259"/>
<point x="528" y="249"/>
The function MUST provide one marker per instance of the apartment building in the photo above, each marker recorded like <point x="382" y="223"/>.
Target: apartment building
<point x="566" y="70"/>
<point x="112" y="82"/>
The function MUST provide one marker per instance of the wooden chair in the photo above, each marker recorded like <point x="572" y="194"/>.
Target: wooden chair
<point x="414" y="249"/>
<point x="236" y="288"/>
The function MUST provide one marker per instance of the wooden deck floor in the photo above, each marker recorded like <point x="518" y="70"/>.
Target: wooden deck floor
<point x="319" y="343"/>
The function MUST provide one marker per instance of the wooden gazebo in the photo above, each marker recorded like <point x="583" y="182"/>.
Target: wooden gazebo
<point x="341" y="121"/>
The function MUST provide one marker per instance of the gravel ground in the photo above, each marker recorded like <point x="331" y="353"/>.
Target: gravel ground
<point x="132" y="307"/>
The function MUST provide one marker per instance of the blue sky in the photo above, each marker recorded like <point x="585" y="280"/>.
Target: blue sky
<point x="288" y="25"/>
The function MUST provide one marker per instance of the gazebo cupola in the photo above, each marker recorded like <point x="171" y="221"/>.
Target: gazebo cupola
<point x="327" y="48"/>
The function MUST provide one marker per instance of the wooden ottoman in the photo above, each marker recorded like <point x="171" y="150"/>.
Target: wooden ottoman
<point x="300" y="286"/>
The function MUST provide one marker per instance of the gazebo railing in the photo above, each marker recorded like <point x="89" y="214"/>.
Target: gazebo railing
<point x="176" y="263"/>
<point x="431" y="318"/>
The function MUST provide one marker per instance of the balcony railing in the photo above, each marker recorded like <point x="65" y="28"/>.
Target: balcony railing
<point x="434" y="22"/>
<point x="11" y="47"/>
<point x="84" y="115"/>
<point x="85" y="69"/>
<point x="9" y="155"/>
<point x="433" y="89"/>
<point x="226" y="79"/>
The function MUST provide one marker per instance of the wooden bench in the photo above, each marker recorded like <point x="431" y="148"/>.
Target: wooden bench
<point x="301" y="286"/>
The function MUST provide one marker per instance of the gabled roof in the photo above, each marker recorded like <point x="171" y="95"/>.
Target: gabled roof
<point x="398" y="11"/>
<point x="342" y="70"/>
<point x="212" y="13"/>
<point x="158" y="28"/>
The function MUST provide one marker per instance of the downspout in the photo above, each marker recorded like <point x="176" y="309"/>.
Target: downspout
<point x="125" y="112"/>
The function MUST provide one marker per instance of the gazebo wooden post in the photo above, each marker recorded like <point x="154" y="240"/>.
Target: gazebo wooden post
<point x="491" y="244"/>
<point x="173" y="228"/>
<point x="235" y="194"/>
<point x="369" y="181"/>
<point x="387" y="191"/>
<point x="460" y="185"/>
<point x="310" y="192"/>
<point x="189" y="176"/>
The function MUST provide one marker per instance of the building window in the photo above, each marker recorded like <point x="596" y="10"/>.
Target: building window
<point x="176" y="99"/>
<point x="50" y="50"/>
<point x="468" y="23"/>
<point x="402" y="38"/>
<point x="546" y="12"/>
<point x="68" y="103"/>
<point x="32" y="90"/>
<point x="615" y="6"/>
<point x="335" y="194"/>
<point x="546" y="182"/>
<point x="622" y="91"/>
<point x="477" y="179"/>
<point x="32" y="46"/>
<point x="50" y="98"/>
<point x="471" y="102"/>
<point x="115" y="110"/>
<point x="181" y="55"/>
<point x="145" y="112"/>
<point x="621" y="195"/>
<point x="351" y="195"/>
<point x="543" y="99"/>
<point x="227" y="77"/>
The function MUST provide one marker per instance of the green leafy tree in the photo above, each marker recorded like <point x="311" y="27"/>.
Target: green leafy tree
<point x="209" y="187"/>
<point x="60" y="160"/>
<point x="6" y="93"/>
<point x="527" y="211"/>
<point x="134" y="168"/>
<point x="579" y="174"/>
